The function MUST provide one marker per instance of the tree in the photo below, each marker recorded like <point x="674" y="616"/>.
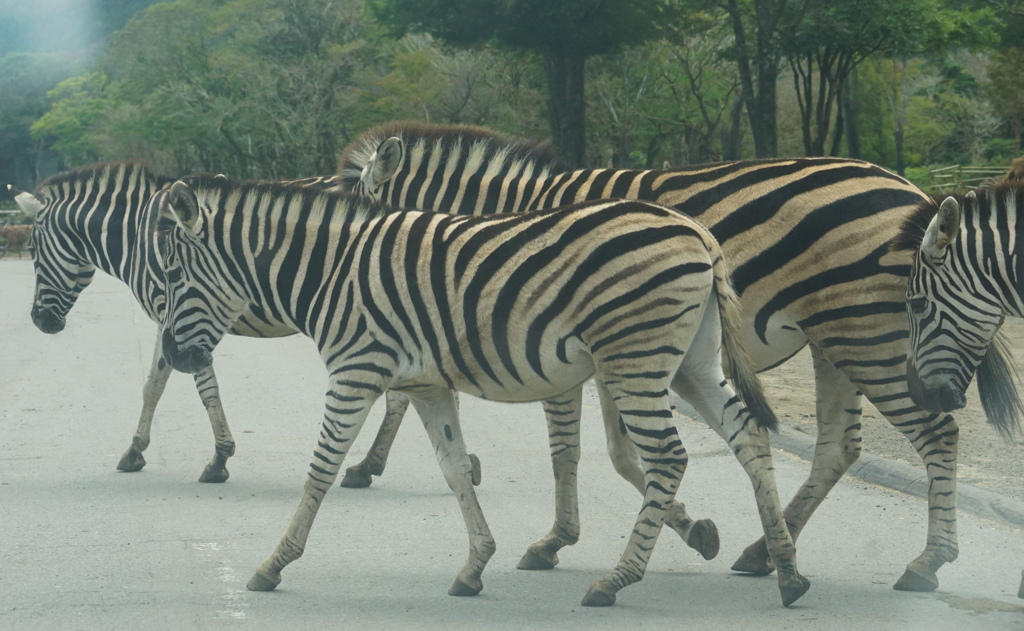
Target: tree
<point x="831" y="40"/>
<point x="760" y="28"/>
<point x="563" y="32"/>
<point x="26" y="160"/>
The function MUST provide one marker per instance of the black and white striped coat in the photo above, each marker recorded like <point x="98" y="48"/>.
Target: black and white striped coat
<point x="808" y="242"/>
<point x="965" y="280"/>
<point x="512" y="308"/>
<point x="93" y="218"/>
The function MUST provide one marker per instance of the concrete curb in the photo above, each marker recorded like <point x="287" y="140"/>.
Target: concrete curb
<point x="897" y="476"/>
<point x="909" y="479"/>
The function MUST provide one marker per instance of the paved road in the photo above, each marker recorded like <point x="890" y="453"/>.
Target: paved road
<point x="86" y="547"/>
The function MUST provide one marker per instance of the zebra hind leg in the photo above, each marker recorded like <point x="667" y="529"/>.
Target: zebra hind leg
<point x="838" y="446"/>
<point x="437" y="409"/>
<point x="702" y="534"/>
<point x="647" y="416"/>
<point x="132" y="460"/>
<point x="563" y="418"/>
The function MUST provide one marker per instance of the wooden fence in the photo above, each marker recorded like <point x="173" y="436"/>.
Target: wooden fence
<point x="961" y="178"/>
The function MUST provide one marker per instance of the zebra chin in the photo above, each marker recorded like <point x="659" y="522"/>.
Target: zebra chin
<point x="47" y="320"/>
<point x="190" y="360"/>
<point x="942" y="395"/>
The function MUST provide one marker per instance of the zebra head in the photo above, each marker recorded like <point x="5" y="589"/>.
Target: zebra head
<point x="951" y="323"/>
<point x="200" y="306"/>
<point x="62" y="268"/>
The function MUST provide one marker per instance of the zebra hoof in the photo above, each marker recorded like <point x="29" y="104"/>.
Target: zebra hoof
<point x="460" y="588"/>
<point x="131" y="461"/>
<point x="755" y="560"/>
<point x="1020" y="590"/>
<point x="703" y="538"/>
<point x="261" y="583"/>
<point x="912" y="581"/>
<point x="533" y="561"/>
<point x="792" y="588"/>
<point x="597" y="598"/>
<point x="477" y="473"/>
<point x="214" y="475"/>
<point x="356" y="477"/>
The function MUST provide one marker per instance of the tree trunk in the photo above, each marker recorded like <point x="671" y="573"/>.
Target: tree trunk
<point x="898" y="140"/>
<point x="850" y="102"/>
<point x="566" y="105"/>
<point x="732" y="134"/>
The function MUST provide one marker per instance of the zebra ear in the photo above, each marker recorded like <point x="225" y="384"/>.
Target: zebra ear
<point x="942" y="230"/>
<point x="388" y="157"/>
<point x="26" y="201"/>
<point x="182" y="204"/>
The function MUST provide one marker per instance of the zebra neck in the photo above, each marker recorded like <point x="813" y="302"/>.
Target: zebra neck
<point x="990" y="249"/>
<point x="288" y="269"/>
<point x="116" y="237"/>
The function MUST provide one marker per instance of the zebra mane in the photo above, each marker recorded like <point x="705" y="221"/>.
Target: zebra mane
<point x="101" y="171"/>
<point x="302" y="203"/>
<point x="358" y="152"/>
<point x="1006" y="196"/>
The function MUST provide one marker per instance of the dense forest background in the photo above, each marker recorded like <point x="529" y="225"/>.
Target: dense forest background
<point x="277" y="88"/>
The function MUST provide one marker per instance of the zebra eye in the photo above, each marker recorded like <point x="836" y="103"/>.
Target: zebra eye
<point x="175" y="275"/>
<point x="918" y="304"/>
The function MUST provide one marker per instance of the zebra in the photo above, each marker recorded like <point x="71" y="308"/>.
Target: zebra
<point x="511" y="308"/>
<point x="92" y="218"/>
<point x="96" y="217"/>
<point x="964" y="281"/>
<point x="808" y="242"/>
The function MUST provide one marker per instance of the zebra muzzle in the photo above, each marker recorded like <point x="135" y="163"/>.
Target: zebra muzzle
<point x="189" y="360"/>
<point x="47" y="320"/>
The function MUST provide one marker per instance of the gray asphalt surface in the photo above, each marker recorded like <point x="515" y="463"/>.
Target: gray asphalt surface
<point x="83" y="546"/>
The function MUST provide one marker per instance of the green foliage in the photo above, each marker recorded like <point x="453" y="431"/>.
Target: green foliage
<point x="584" y="27"/>
<point x="79" y="103"/>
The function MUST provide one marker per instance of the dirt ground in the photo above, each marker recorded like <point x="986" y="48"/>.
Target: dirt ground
<point x="986" y="460"/>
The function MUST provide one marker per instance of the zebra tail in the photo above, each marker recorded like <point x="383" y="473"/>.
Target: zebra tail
<point x="998" y="376"/>
<point x="744" y="377"/>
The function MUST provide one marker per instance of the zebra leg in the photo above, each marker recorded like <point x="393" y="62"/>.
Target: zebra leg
<point x="701" y="381"/>
<point x="935" y="437"/>
<point x="132" y="459"/>
<point x="563" y="417"/>
<point x="701" y="535"/>
<point x="346" y="411"/>
<point x="360" y="476"/>
<point x="648" y="422"/>
<point x="224" y="443"/>
<point x="437" y="409"/>
<point x="838" y="447"/>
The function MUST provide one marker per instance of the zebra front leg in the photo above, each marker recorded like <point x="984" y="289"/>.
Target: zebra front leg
<point x="224" y="443"/>
<point x="132" y="459"/>
<point x="563" y="418"/>
<point x="935" y="437"/>
<point x="701" y="535"/>
<point x="346" y="410"/>
<point x="437" y="409"/>
<point x="360" y="476"/>
<point x="647" y="418"/>
<point x="837" y="448"/>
